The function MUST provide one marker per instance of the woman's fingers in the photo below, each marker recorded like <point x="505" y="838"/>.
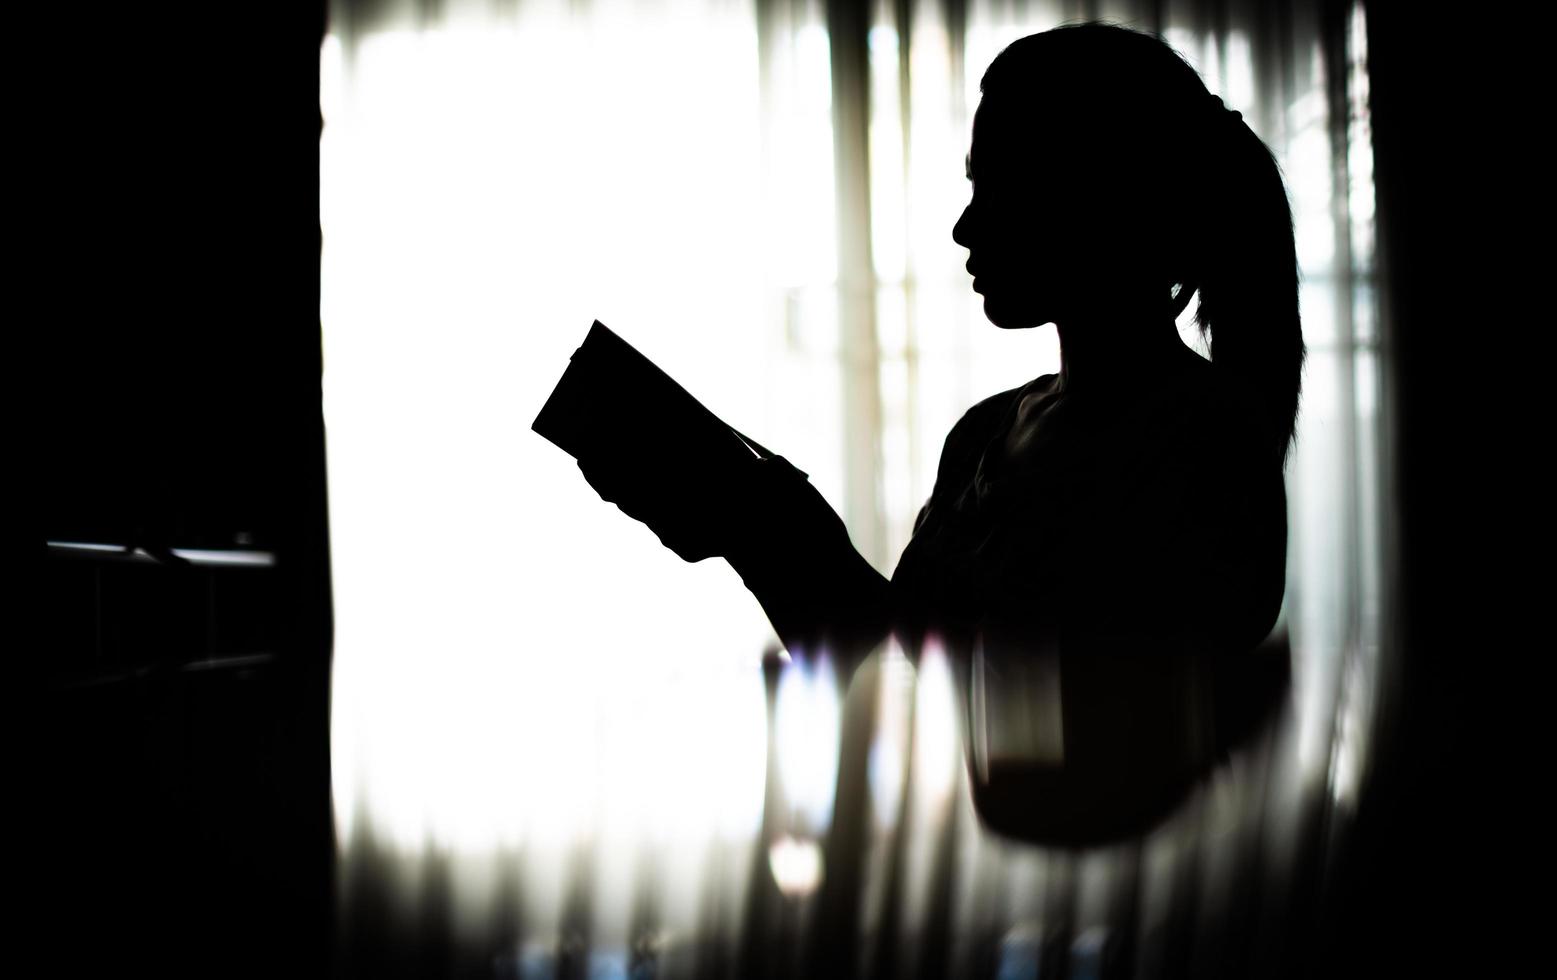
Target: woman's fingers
<point x="640" y="493"/>
<point x="608" y="478"/>
<point x="593" y="471"/>
<point x="766" y="506"/>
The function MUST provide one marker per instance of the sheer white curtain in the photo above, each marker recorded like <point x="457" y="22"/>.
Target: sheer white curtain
<point x="517" y="664"/>
<point x="533" y="700"/>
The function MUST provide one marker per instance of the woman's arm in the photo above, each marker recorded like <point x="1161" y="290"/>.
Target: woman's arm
<point x="796" y="558"/>
<point x="775" y="529"/>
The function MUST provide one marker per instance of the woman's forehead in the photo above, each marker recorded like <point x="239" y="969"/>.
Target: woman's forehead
<point x="1000" y="137"/>
<point x="1026" y="134"/>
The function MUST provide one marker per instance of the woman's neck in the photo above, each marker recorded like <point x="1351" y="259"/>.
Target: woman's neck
<point x="1120" y="351"/>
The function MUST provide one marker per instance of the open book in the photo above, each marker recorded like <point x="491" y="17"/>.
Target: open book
<point x="612" y="396"/>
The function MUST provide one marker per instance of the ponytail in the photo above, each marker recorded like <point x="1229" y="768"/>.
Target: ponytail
<point x="1248" y="278"/>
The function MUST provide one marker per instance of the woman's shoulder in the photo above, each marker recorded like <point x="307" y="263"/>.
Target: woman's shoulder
<point x="980" y="421"/>
<point x="971" y="433"/>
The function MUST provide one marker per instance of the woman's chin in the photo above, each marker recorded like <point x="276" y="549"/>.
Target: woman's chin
<point x="1006" y="318"/>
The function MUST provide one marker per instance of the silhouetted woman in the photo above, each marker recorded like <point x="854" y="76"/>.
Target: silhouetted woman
<point x="1104" y="547"/>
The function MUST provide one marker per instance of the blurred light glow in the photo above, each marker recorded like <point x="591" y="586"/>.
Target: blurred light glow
<point x="890" y="744"/>
<point x="796" y="866"/>
<point x="938" y="742"/>
<point x="806" y="732"/>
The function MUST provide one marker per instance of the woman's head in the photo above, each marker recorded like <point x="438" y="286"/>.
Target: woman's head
<point x="1106" y="177"/>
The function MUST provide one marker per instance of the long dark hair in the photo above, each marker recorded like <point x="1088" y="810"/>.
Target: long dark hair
<point x="1214" y="202"/>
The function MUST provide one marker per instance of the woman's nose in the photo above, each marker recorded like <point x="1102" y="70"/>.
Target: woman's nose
<point x="962" y="227"/>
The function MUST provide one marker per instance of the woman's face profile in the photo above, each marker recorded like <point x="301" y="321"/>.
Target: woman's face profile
<point x="1032" y="248"/>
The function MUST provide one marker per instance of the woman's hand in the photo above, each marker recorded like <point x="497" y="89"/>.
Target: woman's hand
<point x="682" y="508"/>
<point x="762" y="512"/>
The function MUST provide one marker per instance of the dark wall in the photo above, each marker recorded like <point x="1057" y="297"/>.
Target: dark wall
<point x="181" y="718"/>
<point x="181" y="237"/>
<point x="1427" y="882"/>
